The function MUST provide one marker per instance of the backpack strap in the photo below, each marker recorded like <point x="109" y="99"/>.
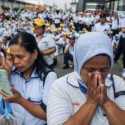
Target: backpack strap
<point x="43" y="106"/>
<point x="116" y="94"/>
<point x="45" y="75"/>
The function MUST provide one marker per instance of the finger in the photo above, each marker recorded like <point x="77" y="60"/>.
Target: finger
<point x="101" y="81"/>
<point x="3" y="94"/>
<point x="89" y="80"/>
<point x="14" y="90"/>
<point x="9" y="98"/>
<point x="102" y="94"/>
<point x="98" y="92"/>
<point x="95" y="81"/>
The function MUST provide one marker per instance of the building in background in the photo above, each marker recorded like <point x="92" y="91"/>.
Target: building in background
<point x="21" y="4"/>
<point x="90" y="4"/>
<point x="110" y="5"/>
<point x="73" y="5"/>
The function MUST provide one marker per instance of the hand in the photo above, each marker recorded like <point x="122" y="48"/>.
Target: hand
<point x="102" y="91"/>
<point x="96" y="89"/>
<point x="5" y="63"/>
<point x="93" y="89"/>
<point x="16" y="97"/>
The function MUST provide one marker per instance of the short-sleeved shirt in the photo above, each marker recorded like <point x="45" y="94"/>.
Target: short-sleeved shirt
<point x="45" y="43"/>
<point x="66" y="98"/>
<point x="32" y="90"/>
<point x="101" y="28"/>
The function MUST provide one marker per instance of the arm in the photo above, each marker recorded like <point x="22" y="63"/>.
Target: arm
<point x="115" y="115"/>
<point x="83" y="116"/>
<point x="60" y="109"/>
<point x="48" y="51"/>
<point x="66" y="49"/>
<point x="34" y="109"/>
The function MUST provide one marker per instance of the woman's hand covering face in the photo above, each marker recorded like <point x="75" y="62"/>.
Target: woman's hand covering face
<point x="96" y="89"/>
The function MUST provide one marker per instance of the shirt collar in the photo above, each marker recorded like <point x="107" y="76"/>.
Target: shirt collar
<point x="33" y="75"/>
<point x="74" y="80"/>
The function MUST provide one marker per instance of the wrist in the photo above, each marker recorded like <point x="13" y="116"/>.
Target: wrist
<point x="20" y="100"/>
<point x="107" y="103"/>
<point x="91" y="101"/>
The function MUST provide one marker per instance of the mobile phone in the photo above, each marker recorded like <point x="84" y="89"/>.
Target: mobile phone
<point x="5" y="87"/>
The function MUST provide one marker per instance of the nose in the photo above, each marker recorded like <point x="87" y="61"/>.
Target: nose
<point x="16" y="60"/>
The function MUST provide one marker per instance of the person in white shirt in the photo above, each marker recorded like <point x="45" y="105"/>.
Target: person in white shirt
<point x="102" y="26"/>
<point x="89" y="95"/>
<point x="115" y="24"/>
<point x="30" y="78"/>
<point x="45" y="41"/>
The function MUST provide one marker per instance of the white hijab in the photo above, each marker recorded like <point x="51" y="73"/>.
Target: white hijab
<point x="89" y="45"/>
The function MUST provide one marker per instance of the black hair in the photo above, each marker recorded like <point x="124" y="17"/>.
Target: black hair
<point x="28" y="41"/>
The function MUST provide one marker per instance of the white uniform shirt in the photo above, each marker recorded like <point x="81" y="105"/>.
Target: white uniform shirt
<point x="66" y="98"/>
<point x="33" y="90"/>
<point x="45" y="43"/>
<point x="115" y="24"/>
<point x="101" y="28"/>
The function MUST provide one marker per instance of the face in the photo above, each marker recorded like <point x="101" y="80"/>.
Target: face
<point x="21" y="58"/>
<point x="99" y="64"/>
<point x="38" y="31"/>
<point x="103" y="20"/>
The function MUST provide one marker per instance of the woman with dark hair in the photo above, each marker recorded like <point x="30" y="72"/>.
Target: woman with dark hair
<point x="30" y="78"/>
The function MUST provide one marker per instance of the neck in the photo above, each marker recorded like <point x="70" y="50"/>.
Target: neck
<point x="27" y="73"/>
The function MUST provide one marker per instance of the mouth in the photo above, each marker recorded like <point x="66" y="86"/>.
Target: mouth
<point x="19" y="68"/>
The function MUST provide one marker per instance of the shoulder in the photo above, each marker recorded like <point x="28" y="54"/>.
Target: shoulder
<point x="66" y="83"/>
<point x="119" y="83"/>
<point x="51" y="75"/>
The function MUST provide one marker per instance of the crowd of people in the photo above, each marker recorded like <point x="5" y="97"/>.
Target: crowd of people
<point x="90" y="42"/>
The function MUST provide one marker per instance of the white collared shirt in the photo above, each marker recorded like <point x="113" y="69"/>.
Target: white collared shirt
<point x="101" y="27"/>
<point x="65" y="99"/>
<point x="45" y="43"/>
<point x="33" y="90"/>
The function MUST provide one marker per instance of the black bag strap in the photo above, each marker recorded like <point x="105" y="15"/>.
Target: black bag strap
<point x="44" y="78"/>
<point x="45" y="75"/>
<point x="113" y="84"/>
<point x="116" y="94"/>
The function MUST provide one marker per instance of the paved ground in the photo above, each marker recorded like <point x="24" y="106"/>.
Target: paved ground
<point x="117" y="68"/>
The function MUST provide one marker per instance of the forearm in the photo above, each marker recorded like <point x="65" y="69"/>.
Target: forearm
<point x="83" y="116"/>
<point x="34" y="109"/>
<point x="48" y="51"/>
<point x="114" y="114"/>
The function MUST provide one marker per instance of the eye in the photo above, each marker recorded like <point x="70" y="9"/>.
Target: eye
<point x="89" y="69"/>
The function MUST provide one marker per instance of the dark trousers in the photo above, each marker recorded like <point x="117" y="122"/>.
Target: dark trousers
<point x="67" y="57"/>
<point x="120" y="51"/>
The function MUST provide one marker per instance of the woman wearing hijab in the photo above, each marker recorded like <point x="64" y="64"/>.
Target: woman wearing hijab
<point x="89" y="95"/>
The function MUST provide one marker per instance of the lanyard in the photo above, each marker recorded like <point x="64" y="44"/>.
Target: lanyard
<point x="82" y="87"/>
